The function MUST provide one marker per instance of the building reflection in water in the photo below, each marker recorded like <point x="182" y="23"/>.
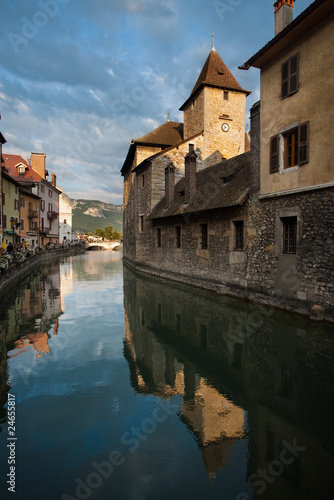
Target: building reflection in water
<point x="244" y="372"/>
<point x="29" y="315"/>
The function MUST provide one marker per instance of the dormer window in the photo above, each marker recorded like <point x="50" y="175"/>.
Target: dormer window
<point x="21" y="169"/>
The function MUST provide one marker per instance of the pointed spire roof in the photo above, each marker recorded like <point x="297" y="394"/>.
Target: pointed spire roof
<point x="215" y="73"/>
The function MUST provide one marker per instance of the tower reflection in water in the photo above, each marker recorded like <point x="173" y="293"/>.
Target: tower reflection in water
<point x="245" y="374"/>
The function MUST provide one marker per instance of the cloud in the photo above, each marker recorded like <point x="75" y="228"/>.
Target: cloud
<point x="79" y="82"/>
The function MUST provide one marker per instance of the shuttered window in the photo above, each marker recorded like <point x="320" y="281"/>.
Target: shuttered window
<point x="303" y="145"/>
<point x="274" y="154"/>
<point x="290" y="76"/>
<point x="296" y="147"/>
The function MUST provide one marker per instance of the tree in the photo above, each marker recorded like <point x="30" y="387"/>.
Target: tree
<point x="99" y="233"/>
<point x="108" y="233"/>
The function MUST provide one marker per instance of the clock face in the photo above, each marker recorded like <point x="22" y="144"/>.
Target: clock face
<point x="225" y="127"/>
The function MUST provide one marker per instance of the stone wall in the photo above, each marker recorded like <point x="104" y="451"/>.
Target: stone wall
<point x="302" y="282"/>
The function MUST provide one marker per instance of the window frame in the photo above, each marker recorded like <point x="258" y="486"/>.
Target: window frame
<point x="239" y="235"/>
<point x="158" y="240"/>
<point x="141" y="223"/>
<point x="289" y="234"/>
<point x="278" y="147"/>
<point x="204" y="236"/>
<point x="178" y="237"/>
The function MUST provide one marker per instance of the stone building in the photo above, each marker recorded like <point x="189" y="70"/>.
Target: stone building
<point x="201" y="209"/>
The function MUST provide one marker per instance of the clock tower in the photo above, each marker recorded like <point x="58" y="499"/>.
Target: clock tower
<point x="217" y="108"/>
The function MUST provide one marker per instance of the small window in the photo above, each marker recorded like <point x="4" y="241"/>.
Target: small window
<point x="204" y="236"/>
<point x="42" y="205"/>
<point x="291" y="148"/>
<point x="159" y="237"/>
<point x="50" y="207"/>
<point x="50" y="193"/>
<point x="178" y="236"/>
<point x="16" y="204"/>
<point x="22" y="224"/>
<point x="141" y="223"/>
<point x="4" y="221"/>
<point x="289" y="234"/>
<point x="226" y="96"/>
<point x="191" y="147"/>
<point x="3" y="198"/>
<point x="42" y="189"/>
<point x="290" y="76"/>
<point x="22" y="170"/>
<point x="21" y="202"/>
<point x="65" y="221"/>
<point x="143" y="181"/>
<point x="239" y="235"/>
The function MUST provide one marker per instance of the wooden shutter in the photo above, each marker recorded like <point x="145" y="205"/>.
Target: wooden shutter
<point x="3" y="198"/>
<point x="293" y="76"/>
<point x="285" y="80"/>
<point x="290" y="76"/>
<point x="274" y="154"/>
<point x="303" y="143"/>
<point x="4" y="221"/>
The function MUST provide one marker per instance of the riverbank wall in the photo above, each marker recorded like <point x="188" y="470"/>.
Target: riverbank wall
<point x="19" y="268"/>
<point x="299" y="307"/>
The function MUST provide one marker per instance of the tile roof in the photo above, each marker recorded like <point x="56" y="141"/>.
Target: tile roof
<point x="220" y="186"/>
<point x="215" y="73"/>
<point x="167" y="134"/>
<point x="148" y="160"/>
<point x="11" y="161"/>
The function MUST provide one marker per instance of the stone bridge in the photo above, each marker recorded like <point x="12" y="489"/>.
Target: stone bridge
<point x="107" y="245"/>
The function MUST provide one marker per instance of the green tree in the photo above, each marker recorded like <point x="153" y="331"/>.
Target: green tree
<point x="108" y="233"/>
<point x="99" y="233"/>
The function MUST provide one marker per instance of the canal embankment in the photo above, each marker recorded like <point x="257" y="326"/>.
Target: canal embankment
<point x="15" y="266"/>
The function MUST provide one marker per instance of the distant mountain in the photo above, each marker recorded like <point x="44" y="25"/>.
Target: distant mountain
<point x="88" y="215"/>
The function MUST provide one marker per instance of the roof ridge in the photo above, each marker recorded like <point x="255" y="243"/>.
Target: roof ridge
<point x="215" y="73"/>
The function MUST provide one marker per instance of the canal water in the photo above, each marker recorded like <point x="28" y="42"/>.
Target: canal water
<point x="118" y="386"/>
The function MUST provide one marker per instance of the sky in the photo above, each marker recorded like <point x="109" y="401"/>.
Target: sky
<point x="79" y="79"/>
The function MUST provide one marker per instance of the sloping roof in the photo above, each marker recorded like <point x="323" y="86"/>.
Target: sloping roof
<point x="220" y="186"/>
<point x="11" y="161"/>
<point x="148" y="160"/>
<point x="215" y="73"/>
<point x="322" y="9"/>
<point x="167" y="134"/>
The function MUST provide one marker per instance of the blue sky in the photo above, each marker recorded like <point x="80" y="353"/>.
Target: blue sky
<point x="80" y="78"/>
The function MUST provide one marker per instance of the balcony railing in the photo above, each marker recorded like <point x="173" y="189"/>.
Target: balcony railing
<point x="32" y="214"/>
<point x="52" y="215"/>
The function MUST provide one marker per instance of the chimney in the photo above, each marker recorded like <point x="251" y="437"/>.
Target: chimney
<point x="54" y="180"/>
<point x="283" y="14"/>
<point x="38" y="163"/>
<point x="190" y="175"/>
<point x="169" y="184"/>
